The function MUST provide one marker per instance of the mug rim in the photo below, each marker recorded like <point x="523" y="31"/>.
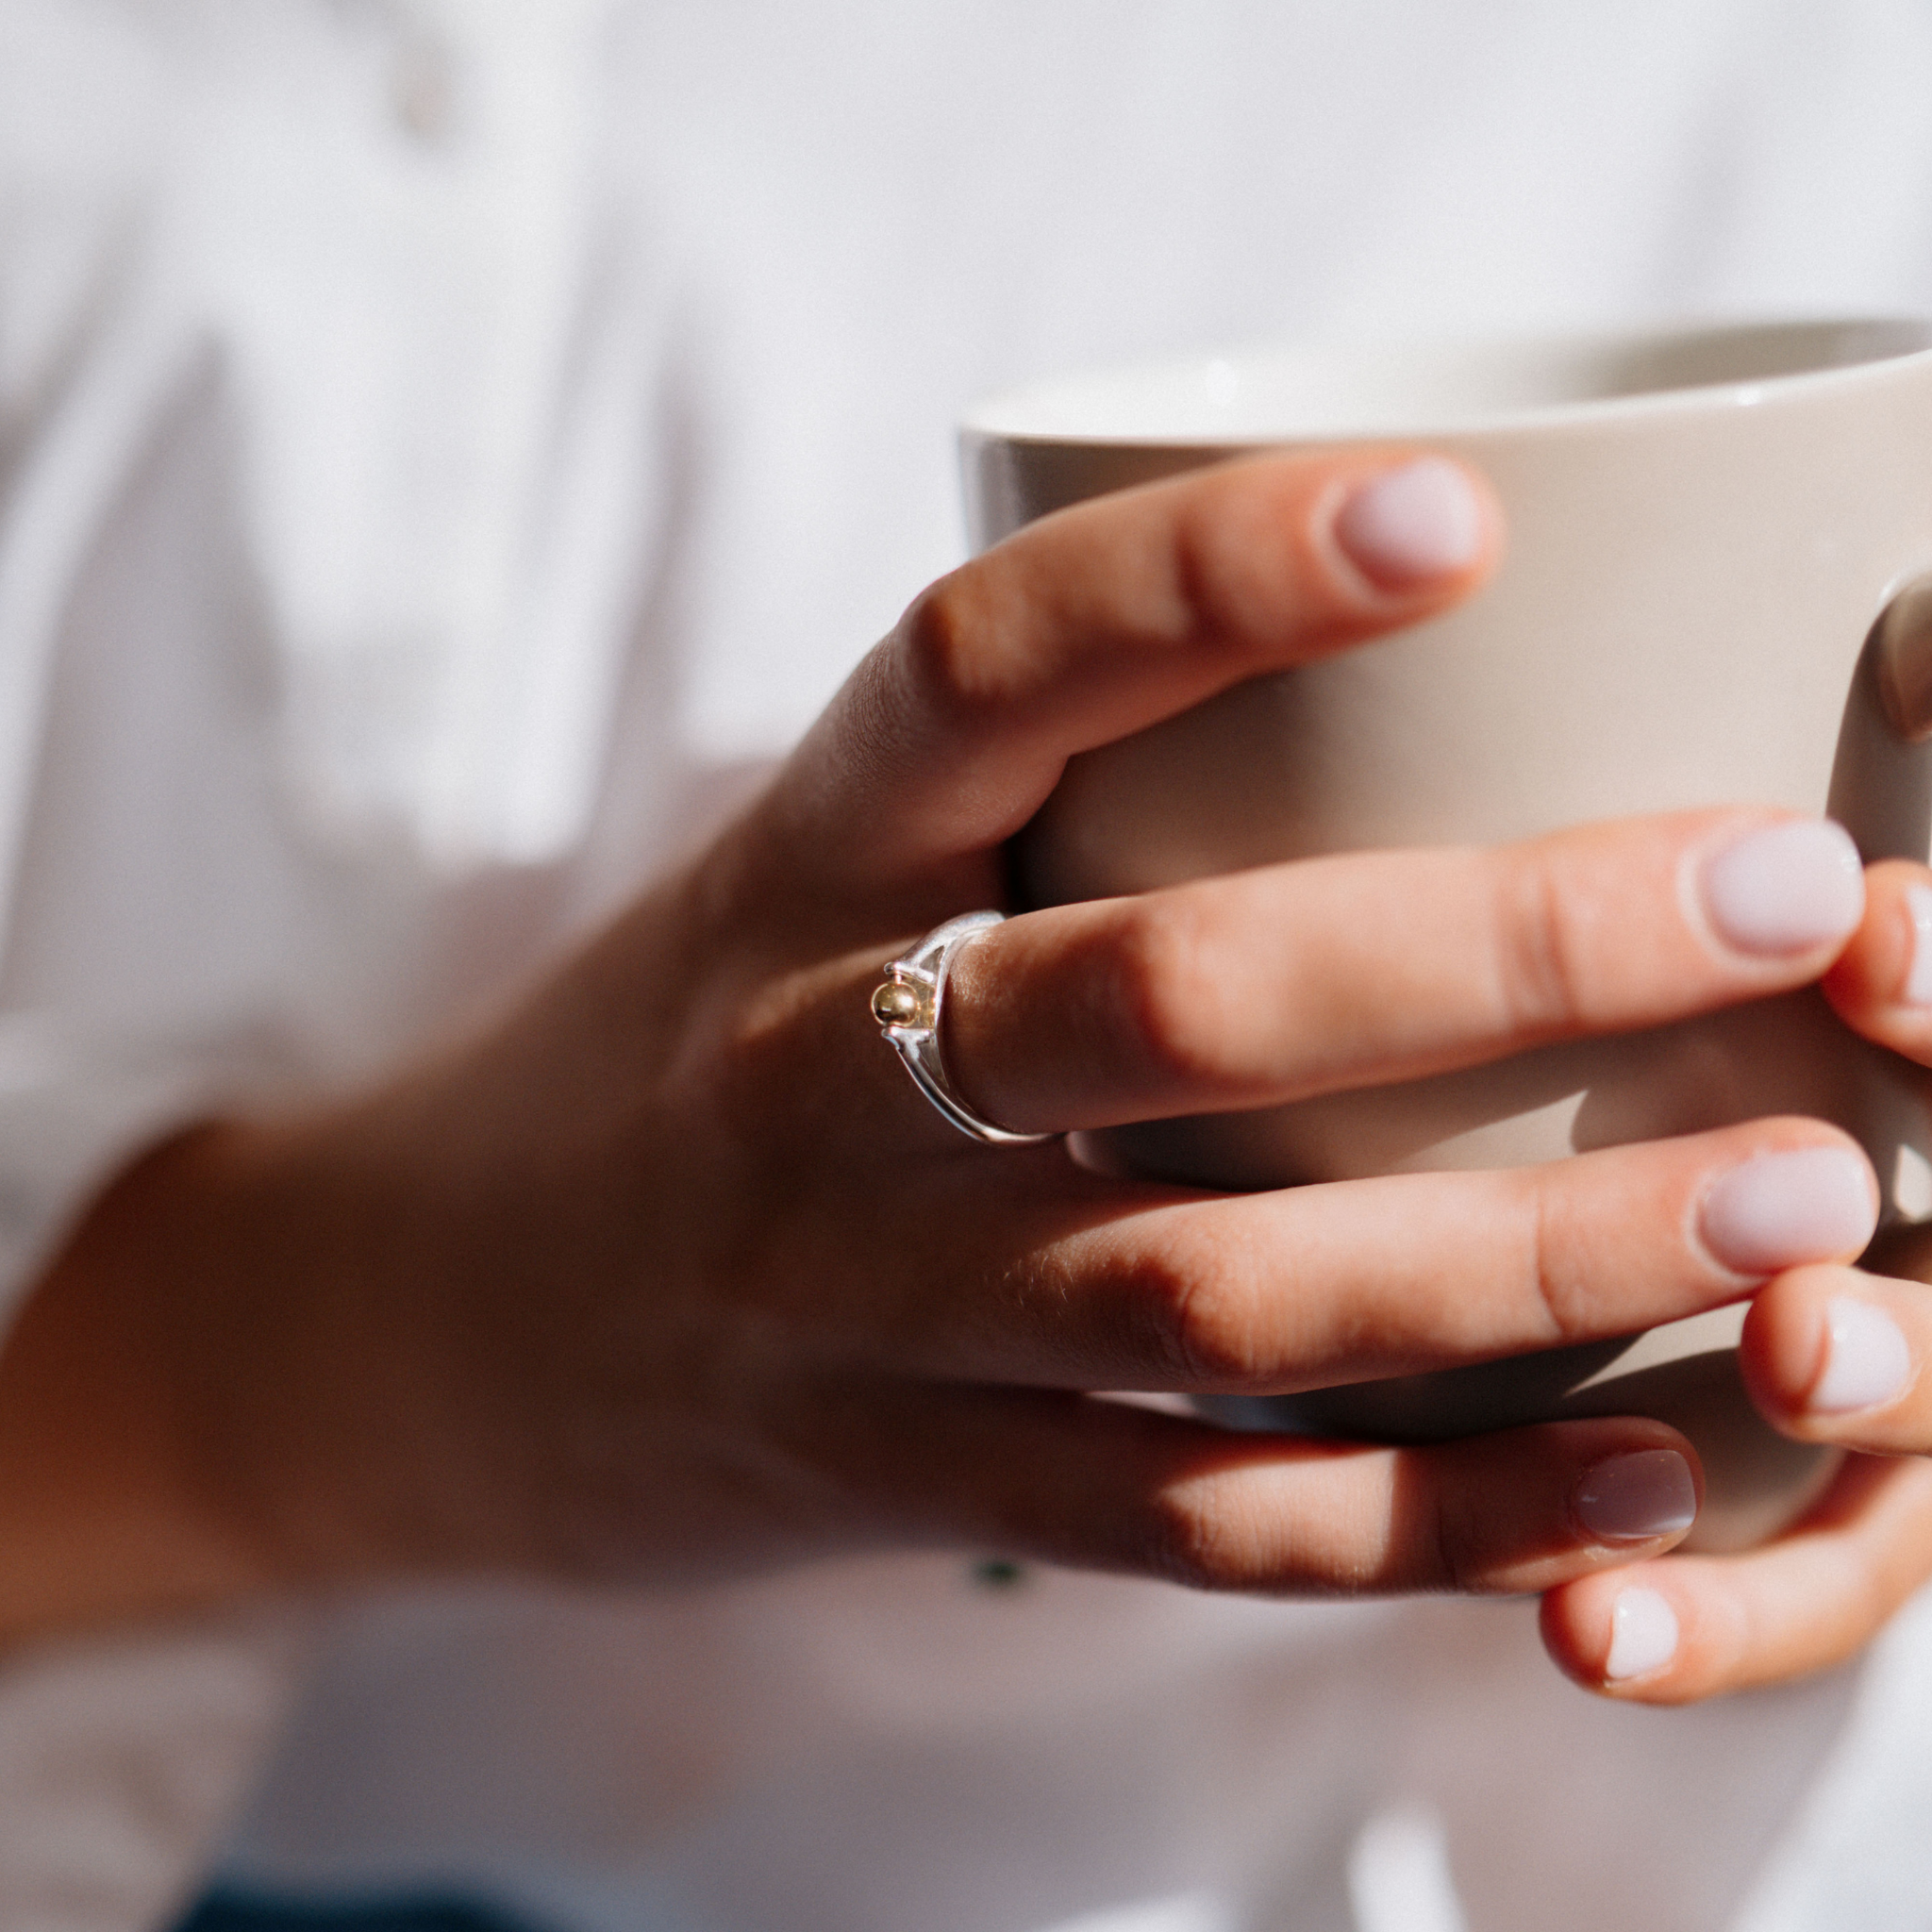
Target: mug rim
<point x="1900" y="344"/>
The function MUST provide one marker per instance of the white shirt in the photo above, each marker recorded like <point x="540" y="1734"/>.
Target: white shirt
<point x="441" y="445"/>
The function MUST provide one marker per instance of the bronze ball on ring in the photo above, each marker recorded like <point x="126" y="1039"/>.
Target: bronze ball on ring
<point x="895" y="1003"/>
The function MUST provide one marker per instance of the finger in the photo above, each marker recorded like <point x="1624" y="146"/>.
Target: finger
<point x="1833" y="1354"/>
<point x="1698" y="1626"/>
<point x="1326" y="1284"/>
<point x="1100" y="1485"/>
<point x="1106" y="618"/>
<point x="1331" y="973"/>
<point x="1882" y="982"/>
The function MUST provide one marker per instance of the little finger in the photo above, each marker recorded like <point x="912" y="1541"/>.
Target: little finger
<point x="1096" y="1483"/>
<point x="1693" y="1627"/>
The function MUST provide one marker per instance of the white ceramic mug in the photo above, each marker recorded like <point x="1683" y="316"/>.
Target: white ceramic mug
<point x="1706" y="529"/>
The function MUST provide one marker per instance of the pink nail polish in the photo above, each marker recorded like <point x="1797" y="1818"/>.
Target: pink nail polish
<point x="1408" y="527"/>
<point x="1632" y="1498"/>
<point x="1643" y="1634"/>
<point x="1867" y="1360"/>
<point x="1779" y="1210"/>
<point x="1919" y="974"/>
<point x="1785" y="889"/>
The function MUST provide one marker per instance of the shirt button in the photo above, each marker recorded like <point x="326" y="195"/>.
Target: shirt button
<point x="423" y="88"/>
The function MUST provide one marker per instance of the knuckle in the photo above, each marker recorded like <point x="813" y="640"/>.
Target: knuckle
<point x="1238" y="571"/>
<point x="1549" y="1245"/>
<point x="1198" y="1318"/>
<point x="1195" y="1539"/>
<point x="1172" y="1003"/>
<point x="947" y="641"/>
<point x="1457" y="1555"/>
<point x="1541" y="957"/>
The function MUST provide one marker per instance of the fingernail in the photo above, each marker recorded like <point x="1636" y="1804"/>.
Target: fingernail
<point x="1785" y="889"/>
<point x="1408" y="526"/>
<point x="1813" y="1204"/>
<point x="1629" y="1499"/>
<point x="1867" y="1360"/>
<point x="1919" y="974"/>
<point x="1643" y="1634"/>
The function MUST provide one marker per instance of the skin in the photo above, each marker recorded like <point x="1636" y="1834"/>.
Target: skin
<point x="1815" y="1595"/>
<point x="668" y="1274"/>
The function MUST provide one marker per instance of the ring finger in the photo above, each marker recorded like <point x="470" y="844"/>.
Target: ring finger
<point x="1337" y="1282"/>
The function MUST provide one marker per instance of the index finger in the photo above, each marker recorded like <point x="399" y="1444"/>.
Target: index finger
<point x="1106" y="618"/>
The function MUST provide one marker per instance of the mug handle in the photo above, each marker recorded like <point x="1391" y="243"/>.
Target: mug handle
<point x="1881" y="776"/>
<point x="1881" y="792"/>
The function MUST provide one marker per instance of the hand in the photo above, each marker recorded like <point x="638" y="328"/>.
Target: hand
<point x="672" y="1272"/>
<point x="1831" y="1354"/>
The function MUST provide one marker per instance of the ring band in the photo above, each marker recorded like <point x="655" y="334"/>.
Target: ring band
<point x="908" y="1005"/>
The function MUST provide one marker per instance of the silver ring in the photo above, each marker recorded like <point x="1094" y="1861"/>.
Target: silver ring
<point x="908" y="1005"/>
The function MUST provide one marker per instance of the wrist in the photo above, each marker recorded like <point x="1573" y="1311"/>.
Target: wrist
<point x="214" y="1391"/>
<point x="105" y="1514"/>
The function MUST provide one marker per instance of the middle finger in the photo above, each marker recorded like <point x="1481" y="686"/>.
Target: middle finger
<point x="1312" y="978"/>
